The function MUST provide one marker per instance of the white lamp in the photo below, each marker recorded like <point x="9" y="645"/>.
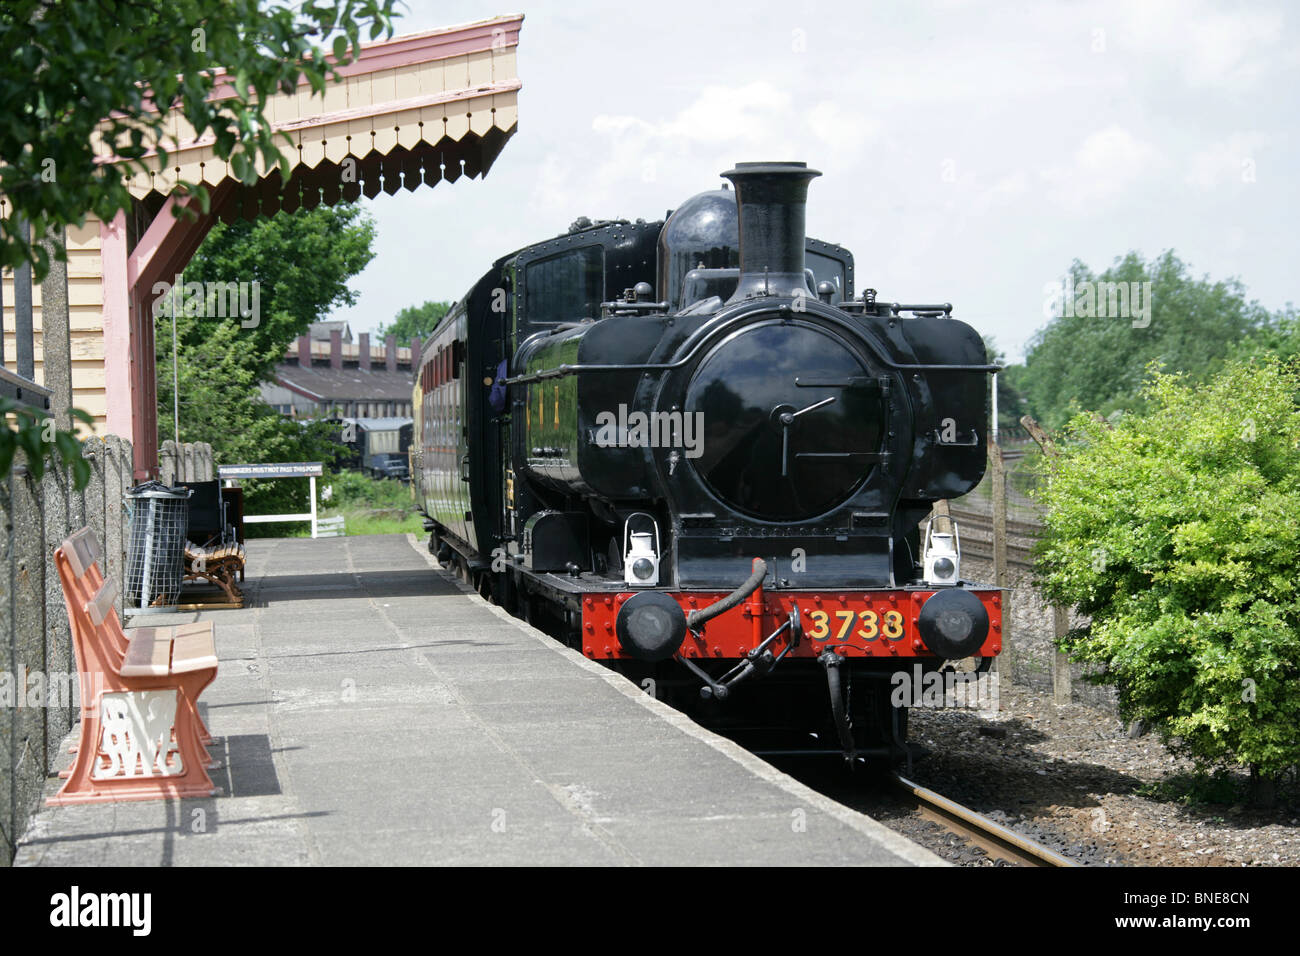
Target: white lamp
<point x="941" y="559"/>
<point x="640" y="554"/>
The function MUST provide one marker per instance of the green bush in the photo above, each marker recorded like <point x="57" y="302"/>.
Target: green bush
<point x="1178" y="531"/>
<point x="370" y="505"/>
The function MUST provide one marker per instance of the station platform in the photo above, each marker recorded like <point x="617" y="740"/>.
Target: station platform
<point x="371" y="710"/>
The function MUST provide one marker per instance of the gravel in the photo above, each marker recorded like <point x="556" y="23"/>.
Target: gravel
<point x="1072" y="778"/>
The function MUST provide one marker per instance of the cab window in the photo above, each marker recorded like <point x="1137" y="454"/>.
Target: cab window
<point x="565" y="287"/>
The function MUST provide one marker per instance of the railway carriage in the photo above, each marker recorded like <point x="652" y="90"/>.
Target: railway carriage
<point x="691" y="450"/>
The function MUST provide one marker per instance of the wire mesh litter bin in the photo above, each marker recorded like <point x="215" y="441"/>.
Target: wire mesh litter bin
<point x="155" y="556"/>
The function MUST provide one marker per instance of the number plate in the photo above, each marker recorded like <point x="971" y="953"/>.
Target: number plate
<point x="854" y="627"/>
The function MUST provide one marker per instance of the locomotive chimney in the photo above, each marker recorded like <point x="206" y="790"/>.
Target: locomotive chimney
<point x="771" y="199"/>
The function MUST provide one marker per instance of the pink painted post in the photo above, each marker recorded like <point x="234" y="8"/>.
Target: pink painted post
<point x="117" y="326"/>
<point x="159" y="254"/>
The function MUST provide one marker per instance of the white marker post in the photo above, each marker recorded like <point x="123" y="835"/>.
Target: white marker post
<point x="995" y="408"/>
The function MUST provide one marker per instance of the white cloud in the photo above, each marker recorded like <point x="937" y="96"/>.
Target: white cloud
<point x="1008" y="189"/>
<point x="969" y="150"/>
<point x="1211" y="49"/>
<point x="1105" y="165"/>
<point x="1234" y="160"/>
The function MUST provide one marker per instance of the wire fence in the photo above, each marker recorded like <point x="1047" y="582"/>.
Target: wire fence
<point x="1020" y="462"/>
<point x="999" y="522"/>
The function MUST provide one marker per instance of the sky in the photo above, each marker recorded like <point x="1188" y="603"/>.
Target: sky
<point x="969" y="151"/>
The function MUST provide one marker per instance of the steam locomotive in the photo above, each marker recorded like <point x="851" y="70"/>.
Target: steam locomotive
<point x="714" y="481"/>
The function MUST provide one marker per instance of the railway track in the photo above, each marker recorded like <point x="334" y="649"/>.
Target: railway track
<point x="975" y="828"/>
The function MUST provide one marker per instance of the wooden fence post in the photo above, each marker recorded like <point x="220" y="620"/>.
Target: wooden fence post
<point x="1062" y="680"/>
<point x="998" y="495"/>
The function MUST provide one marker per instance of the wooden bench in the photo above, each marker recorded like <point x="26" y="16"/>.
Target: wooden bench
<point x="83" y="553"/>
<point x="219" y="565"/>
<point x="141" y="736"/>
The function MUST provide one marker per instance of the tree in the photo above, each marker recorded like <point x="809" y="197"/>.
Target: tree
<point x="415" y="320"/>
<point x="1011" y="404"/>
<point x="303" y="262"/>
<point x="1176" y="531"/>
<point x="1083" y="361"/>
<point x="1279" y="337"/>
<point x="70" y="65"/>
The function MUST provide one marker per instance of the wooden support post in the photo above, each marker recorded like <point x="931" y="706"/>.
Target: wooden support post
<point x="998" y="494"/>
<point x="1037" y="433"/>
<point x="1062" y="689"/>
<point x="1062" y="681"/>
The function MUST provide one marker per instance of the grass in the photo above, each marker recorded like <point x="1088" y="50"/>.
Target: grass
<point x="369" y="505"/>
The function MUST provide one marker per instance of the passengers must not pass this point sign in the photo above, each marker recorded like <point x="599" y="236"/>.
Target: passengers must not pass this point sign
<point x="295" y="469"/>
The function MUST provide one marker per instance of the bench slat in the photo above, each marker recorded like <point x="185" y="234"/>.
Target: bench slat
<point x="103" y="601"/>
<point x="192" y="652"/>
<point x="82" y="550"/>
<point x="146" y="656"/>
<point x="170" y="633"/>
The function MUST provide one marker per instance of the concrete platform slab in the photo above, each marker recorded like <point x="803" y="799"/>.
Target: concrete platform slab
<point x="370" y="710"/>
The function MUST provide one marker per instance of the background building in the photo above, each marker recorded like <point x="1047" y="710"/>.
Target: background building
<point x="326" y="374"/>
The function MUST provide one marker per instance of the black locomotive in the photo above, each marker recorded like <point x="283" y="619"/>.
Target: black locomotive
<point x="713" y="483"/>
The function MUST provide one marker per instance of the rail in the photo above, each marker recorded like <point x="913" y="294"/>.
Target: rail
<point x="975" y="828"/>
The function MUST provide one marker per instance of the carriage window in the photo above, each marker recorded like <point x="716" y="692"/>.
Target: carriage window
<point x="566" y="287"/>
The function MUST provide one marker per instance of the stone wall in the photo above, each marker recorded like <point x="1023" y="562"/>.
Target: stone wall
<point x="36" y="658"/>
<point x="188" y="461"/>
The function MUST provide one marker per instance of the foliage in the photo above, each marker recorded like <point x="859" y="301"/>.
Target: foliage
<point x="371" y="505"/>
<point x="1011" y="404"/>
<point x="415" y="320"/>
<point x="39" y="438"/>
<point x="353" y="489"/>
<point x="303" y="261"/>
<point x="1194" y="789"/>
<point x="1177" y="532"/>
<point x="1097" y="364"/>
<point x="1280" y="337"/>
<point x="70" y="64"/>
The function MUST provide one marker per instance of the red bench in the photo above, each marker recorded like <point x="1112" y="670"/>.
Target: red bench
<point x="141" y="737"/>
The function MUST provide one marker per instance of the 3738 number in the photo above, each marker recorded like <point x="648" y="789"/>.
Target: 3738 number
<point x="890" y="625"/>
